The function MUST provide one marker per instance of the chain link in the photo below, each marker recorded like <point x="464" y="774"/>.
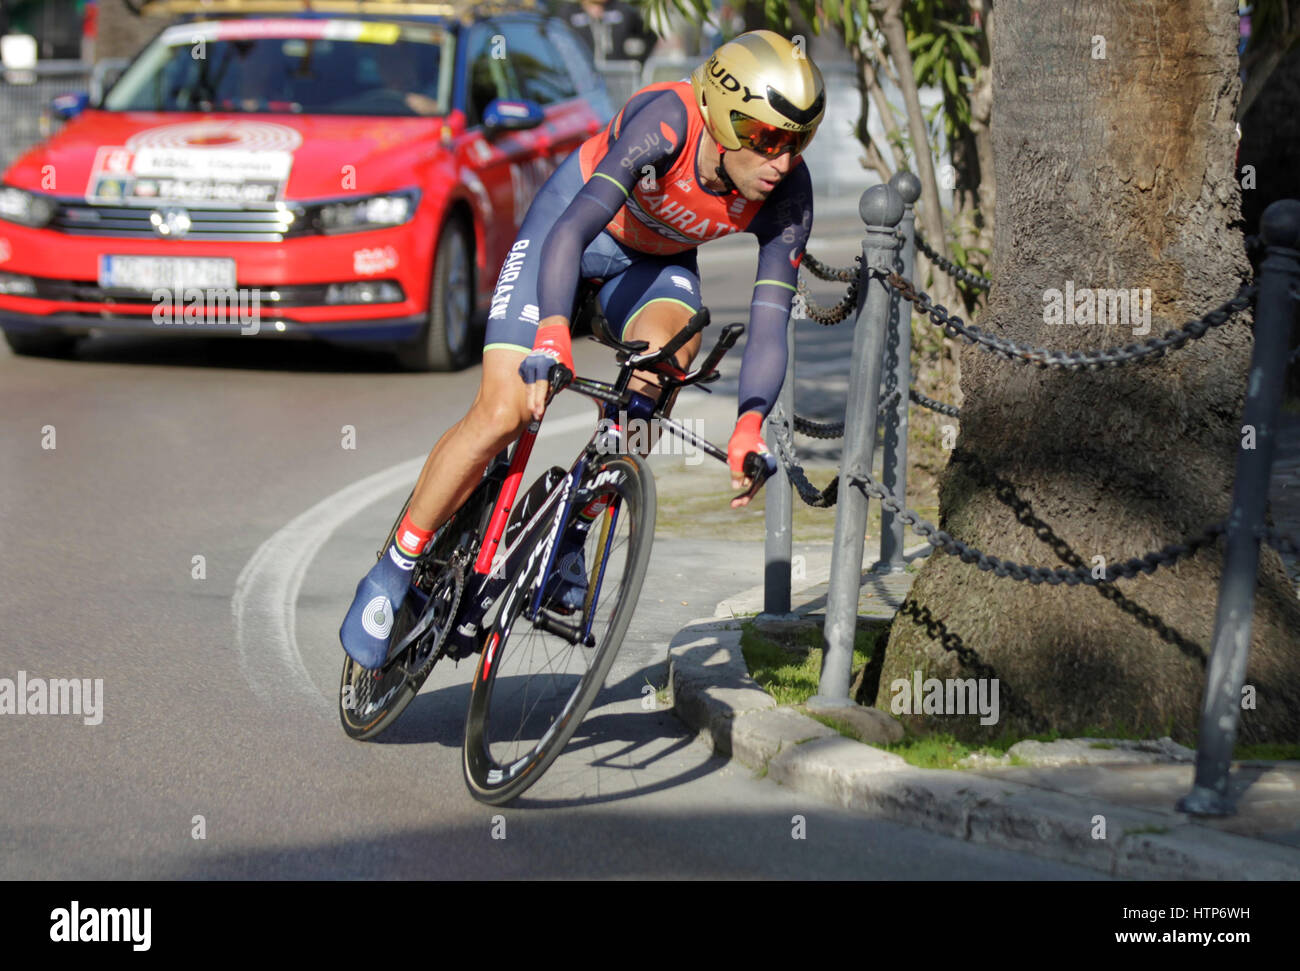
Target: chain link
<point x="954" y="326"/>
<point x="951" y="268"/>
<point x="828" y="315"/>
<point x="823" y="272"/>
<point x="783" y="445"/>
<point x="1147" y="563"/>
<point x="820" y="429"/>
<point x="927" y="402"/>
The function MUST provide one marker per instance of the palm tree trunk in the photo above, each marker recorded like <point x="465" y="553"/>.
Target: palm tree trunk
<point x="1116" y="173"/>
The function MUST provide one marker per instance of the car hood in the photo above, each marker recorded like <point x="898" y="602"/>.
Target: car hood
<point x="228" y="158"/>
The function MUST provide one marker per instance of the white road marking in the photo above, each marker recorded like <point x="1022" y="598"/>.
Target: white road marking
<point x="265" y="600"/>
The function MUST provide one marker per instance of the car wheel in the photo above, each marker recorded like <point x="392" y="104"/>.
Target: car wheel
<point x="447" y="341"/>
<point x="40" y="345"/>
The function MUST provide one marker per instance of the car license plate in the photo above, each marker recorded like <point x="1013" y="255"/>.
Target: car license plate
<point x="148" y="273"/>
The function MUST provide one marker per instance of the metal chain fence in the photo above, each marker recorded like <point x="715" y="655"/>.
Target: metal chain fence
<point x="954" y="326"/>
<point x="951" y="268"/>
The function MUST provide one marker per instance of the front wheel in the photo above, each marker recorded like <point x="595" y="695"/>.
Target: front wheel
<point x="534" y="683"/>
<point x="446" y="343"/>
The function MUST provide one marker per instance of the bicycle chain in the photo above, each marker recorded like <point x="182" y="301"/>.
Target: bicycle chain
<point x="457" y="569"/>
<point x="954" y="326"/>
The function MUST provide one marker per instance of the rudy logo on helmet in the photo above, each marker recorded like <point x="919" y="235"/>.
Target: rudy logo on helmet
<point x="755" y="92"/>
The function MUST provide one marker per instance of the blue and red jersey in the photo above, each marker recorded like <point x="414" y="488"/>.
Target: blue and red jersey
<point x="644" y="188"/>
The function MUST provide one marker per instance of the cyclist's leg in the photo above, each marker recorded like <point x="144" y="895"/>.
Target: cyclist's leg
<point x="498" y="414"/>
<point x="499" y="411"/>
<point x="496" y="417"/>
<point x="652" y="300"/>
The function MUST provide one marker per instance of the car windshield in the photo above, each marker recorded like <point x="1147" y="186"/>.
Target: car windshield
<point x="327" y="67"/>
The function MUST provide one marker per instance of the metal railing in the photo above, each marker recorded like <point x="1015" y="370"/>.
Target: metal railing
<point x="25" y="103"/>
<point x="25" y="100"/>
<point x="880" y="371"/>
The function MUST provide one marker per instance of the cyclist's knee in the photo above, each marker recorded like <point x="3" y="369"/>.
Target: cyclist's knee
<point x="498" y="414"/>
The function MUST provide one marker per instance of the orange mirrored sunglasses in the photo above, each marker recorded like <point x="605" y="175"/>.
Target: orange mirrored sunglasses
<point x="768" y="140"/>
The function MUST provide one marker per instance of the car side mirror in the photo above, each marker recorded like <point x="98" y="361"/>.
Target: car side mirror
<point x="67" y="106"/>
<point x="502" y="115"/>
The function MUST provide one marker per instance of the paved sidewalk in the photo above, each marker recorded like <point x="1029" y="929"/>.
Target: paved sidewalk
<point x="1110" y="808"/>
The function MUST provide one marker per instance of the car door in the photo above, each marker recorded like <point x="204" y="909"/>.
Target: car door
<point x="495" y="158"/>
<point x="543" y="78"/>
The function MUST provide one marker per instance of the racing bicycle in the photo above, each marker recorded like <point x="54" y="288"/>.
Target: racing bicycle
<point x="486" y="583"/>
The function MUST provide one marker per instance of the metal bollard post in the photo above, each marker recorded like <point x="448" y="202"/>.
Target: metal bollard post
<point x="900" y="378"/>
<point x="881" y="208"/>
<point x="1275" y="311"/>
<point x="778" y="514"/>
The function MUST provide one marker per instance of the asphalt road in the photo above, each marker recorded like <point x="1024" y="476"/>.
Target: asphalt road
<point x="219" y="675"/>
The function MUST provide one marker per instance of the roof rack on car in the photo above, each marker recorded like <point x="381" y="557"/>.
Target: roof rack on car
<point x="389" y="8"/>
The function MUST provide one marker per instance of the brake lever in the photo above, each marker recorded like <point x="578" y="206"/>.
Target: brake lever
<point x="561" y="378"/>
<point x="758" y="468"/>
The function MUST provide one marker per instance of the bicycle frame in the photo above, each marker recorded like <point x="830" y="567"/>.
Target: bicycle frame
<point x="494" y="568"/>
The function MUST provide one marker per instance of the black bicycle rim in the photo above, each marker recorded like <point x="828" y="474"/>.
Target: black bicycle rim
<point x="532" y="687"/>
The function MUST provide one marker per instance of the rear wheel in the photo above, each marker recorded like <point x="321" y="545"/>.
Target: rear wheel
<point x="447" y="341"/>
<point x="371" y="700"/>
<point x="533" y="685"/>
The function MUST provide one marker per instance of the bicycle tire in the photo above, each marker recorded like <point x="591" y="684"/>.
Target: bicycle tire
<point x="380" y="695"/>
<point x="494" y="770"/>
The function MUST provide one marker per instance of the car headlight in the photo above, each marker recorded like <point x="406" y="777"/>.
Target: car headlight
<point x="25" y="208"/>
<point x="372" y="212"/>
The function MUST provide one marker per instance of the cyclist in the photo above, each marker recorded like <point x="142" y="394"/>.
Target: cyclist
<point x="682" y="163"/>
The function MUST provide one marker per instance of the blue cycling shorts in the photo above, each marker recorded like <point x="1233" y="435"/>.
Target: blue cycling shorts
<point x="631" y="279"/>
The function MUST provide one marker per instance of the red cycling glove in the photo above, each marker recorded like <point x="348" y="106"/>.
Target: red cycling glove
<point x="745" y="439"/>
<point x="551" y="346"/>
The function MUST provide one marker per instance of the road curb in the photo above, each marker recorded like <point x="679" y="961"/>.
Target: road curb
<point x="714" y="694"/>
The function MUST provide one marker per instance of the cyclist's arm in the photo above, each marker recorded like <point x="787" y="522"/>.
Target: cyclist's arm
<point x="782" y="227"/>
<point x="653" y="132"/>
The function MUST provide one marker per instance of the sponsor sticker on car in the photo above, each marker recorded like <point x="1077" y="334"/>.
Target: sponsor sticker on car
<point x="220" y="162"/>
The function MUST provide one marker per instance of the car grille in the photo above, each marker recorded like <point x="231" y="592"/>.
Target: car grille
<point x="218" y="225"/>
<point x="302" y="295"/>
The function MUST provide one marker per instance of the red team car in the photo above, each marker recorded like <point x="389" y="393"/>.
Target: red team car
<point x="350" y="178"/>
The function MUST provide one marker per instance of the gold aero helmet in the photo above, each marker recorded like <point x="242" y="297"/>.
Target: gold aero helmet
<point x="759" y="91"/>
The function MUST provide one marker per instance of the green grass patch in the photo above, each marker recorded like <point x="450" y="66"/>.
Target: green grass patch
<point x="844" y="728"/>
<point x="940" y="751"/>
<point x="1146" y="829"/>
<point x="1271" y="751"/>
<point x="787" y="664"/>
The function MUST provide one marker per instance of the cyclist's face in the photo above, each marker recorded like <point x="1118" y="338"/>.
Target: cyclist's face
<point x="755" y="175"/>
